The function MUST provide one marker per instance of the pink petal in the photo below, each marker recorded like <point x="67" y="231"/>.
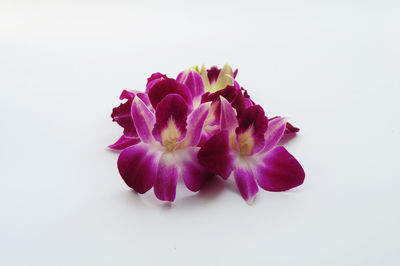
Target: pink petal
<point x="144" y="97"/>
<point x="143" y="119"/>
<point x="274" y="133"/>
<point x="156" y="77"/>
<point x="279" y="171"/>
<point x="171" y="108"/>
<point x="194" y="175"/>
<point x="228" y="116"/>
<point x="254" y="122"/>
<point x="246" y="184"/>
<point x="123" y="142"/>
<point x="137" y="166"/>
<point x="216" y="156"/>
<point x="169" y="86"/>
<point x="166" y="178"/>
<point x="195" y="124"/>
<point x="193" y="81"/>
<point x="122" y="114"/>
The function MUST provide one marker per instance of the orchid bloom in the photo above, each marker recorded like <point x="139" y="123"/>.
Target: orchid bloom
<point x="246" y="148"/>
<point x="168" y="145"/>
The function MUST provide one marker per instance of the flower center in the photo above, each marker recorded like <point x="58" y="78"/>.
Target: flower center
<point x="170" y="135"/>
<point x="246" y="142"/>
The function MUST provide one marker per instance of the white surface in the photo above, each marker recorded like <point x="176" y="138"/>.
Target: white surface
<point x="333" y="67"/>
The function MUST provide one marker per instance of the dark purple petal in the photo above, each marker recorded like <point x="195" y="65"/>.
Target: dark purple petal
<point x="250" y="133"/>
<point x="246" y="184"/>
<point x="274" y="133"/>
<point x="213" y="74"/>
<point x="279" y="171"/>
<point x="122" y="114"/>
<point x="194" y="175"/>
<point x="143" y="119"/>
<point x="166" y="87"/>
<point x="235" y="73"/>
<point x="124" y="142"/>
<point x="291" y="129"/>
<point x="156" y="77"/>
<point x="171" y="114"/>
<point x="137" y="166"/>
<point x="229" y="93"/>
<point x="166" y="178"/>
<point x="216" y="156"/>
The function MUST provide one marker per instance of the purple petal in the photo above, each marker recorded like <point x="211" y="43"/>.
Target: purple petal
<point x="144" y="97"/>
<point x="216" y="156"/>
<point x="250" y="133"/>
<point x="166" y="178"/>
<point x="193" y="81"/>
<point x="274" y="133"/>
<point x="137" y="166"/>
<point x="213" y="74"/>
<point x="122" y="114"/>
<point x="156" y="77"/>
<point x="124" y="142"/>
<point x="194" y="175"/>
<point x="228" y="116"/>
<point x="279" y="171"/>
<point x="171" y="114"/>
<point x="229" y="93"/>
<point x="195" y="124"/>
<point x="169" y="86"/>
<point x="246" y="184"/>
<point x="143" y="119"/>
<point x="291" y="129"/>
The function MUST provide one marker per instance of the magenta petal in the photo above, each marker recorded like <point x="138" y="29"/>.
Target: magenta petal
<point x="280" y="171"/>
<point x="144" y="97"/>
<point x="228" y="116"/>
<point x="172" y="108"/>
<point x="166" y="87"/>
<point x="246" y="184"/>
<point x="275" y="131"/>
<point x="216" y="155"/>
<point x="137" y="167"/>
<point x="143" y="119"/>
<point x="156" y="77"/>
<point x="122" y="114"/>
<point x="123" y="142"/>
<point x="195" y="124"/>
<point x="166" y="178"/>
<point x="193" y="81"/>
<point x="194" y="175"/>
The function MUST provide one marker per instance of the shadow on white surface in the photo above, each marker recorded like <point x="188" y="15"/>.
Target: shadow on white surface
<point x="207" y="195"/>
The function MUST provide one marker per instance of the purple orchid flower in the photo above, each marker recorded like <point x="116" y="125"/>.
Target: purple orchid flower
<point x="247" y="148"/>
<point x="168" y="145"/>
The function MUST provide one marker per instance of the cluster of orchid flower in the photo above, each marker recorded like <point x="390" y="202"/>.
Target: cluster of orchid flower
<point x="199" y="126"/>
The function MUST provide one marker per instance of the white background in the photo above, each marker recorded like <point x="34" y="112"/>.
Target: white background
<point x="331" y="66"/>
